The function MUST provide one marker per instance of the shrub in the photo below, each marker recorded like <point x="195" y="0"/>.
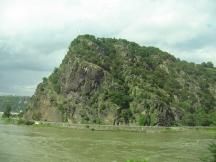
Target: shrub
<point x="212" y="158"/>
<point x="21" y="121"/>
<point x="28" y="122"/>
<point x="141" y="120"/>
<point x="212" y="149"/>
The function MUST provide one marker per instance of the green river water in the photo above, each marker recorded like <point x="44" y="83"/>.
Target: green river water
<point x="49" y="144"/>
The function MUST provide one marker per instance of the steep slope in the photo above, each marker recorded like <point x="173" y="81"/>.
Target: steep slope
<point x="110" y="81"/>
<point x="17" y="103"/>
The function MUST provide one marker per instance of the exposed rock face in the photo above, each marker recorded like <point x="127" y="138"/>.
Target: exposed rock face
<point x="113" y="81"/>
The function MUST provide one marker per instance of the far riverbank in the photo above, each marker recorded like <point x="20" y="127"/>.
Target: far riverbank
<point x="99" y="127"/>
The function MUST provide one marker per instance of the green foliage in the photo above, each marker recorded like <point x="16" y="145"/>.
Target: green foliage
<point x="212" y="158"/>
<point x="212" y="149"/>
<point x="126" y="115"/>
<point x="189" y="119"/>
<point x="208" y="64"/>
<point x="96" y="120"/>
<point x="21" y="122"/>
<point x="142" y="120"/>
<point x="36" y="116"/>
<point x="121" y="99"/>
<point x="17" y="103"/>
<point x="28" y="122"/>
<point x="7" y="112"/>
<point x="20" y="115"/>
<point x="200" y="117"/>
<point x="54" y="78"/>
<point x="160" y="73"/>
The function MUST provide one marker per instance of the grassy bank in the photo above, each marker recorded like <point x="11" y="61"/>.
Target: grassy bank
<point x="98" y="127"/>
<point x="17" y="121"/>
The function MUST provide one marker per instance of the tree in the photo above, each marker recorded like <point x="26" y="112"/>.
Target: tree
<point x="121" y="99"/>
<point x="208" y="64"/>
<point x="7" y="112"/>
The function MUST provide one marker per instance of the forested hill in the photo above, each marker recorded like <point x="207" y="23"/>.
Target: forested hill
<point x="17" y="103"/>
<point x="114" y="81"/>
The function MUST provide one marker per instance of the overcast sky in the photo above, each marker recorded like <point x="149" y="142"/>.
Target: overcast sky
<point x="35" y="34"/>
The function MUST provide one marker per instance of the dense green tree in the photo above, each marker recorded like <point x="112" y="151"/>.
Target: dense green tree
<point x="7" y="112"/>
<point x="208" y="64"/>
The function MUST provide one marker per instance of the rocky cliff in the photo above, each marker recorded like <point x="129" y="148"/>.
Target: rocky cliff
<point x="113" y="81"/>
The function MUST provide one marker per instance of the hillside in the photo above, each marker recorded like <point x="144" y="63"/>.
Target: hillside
<point x="113" y="81"/>
<point x="17" y="103"/>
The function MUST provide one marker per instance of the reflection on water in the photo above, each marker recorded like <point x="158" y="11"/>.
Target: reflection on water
<point x="47" y="144"/>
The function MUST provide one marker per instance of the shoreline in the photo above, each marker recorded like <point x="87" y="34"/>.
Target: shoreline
<point x="97" y="127"/>
<point x="100" y="127"/>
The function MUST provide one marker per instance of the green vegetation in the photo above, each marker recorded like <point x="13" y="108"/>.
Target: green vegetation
<point x="208" y="64"/>
<point x="9" y="118"/>
<point x="36" y="116"/>
<point x="212" y="149"/>
<point x="16" y="121"/>
<point x="7" y="112"/>
<point x="113" y="81"/>
<point x="17" y="103"/>
<point x="212" y="157"/>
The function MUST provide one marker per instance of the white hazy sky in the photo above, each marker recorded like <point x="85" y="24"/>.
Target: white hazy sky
<point x="35" y="34"/>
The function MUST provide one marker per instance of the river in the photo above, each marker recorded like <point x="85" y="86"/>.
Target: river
<point x="50" y="144"/>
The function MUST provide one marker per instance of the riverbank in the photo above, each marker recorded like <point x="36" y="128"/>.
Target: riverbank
<point x="98" y="127"/>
